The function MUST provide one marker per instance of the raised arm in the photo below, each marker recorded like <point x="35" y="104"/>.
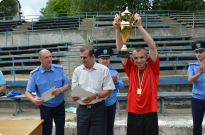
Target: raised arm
<point x="200" y="70"/>
<point x="147" y="38"/>
<point x="119" y="42"/>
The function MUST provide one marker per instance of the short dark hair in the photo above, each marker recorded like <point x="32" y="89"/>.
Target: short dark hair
<point x="139" y="48"/>
<point x="89" y="48"/>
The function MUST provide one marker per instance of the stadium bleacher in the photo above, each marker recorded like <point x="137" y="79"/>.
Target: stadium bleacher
<point x="148" y="21"/>
<point x="58" y="23"/>
<point x="9" y="25"/>
<point x="190" y="20"/>
<point x="29" y="61"/>
<point x="174" y="51"/>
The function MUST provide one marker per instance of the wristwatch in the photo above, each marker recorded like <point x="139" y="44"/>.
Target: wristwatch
<point x="61" y="90"/>
<point x="96" y="96"/>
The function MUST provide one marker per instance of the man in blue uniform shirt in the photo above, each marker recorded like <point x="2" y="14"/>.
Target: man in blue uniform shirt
<point x="42" y="79"/>
<point x="103" y="54"/>
<point x="2" y="83"/>
<point x="196" y="75"/>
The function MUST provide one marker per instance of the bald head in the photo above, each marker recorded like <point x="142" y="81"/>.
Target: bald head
<point x="45" y="57"/>
<point x="42" y="52"/>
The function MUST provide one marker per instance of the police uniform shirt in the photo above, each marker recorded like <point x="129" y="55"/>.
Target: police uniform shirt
<point x="2" y="80"/>
<point x="198" y="90"/>
<point x="41" y="80"/>
<point x="110" y="100"/>
<point x="94" y="80"/>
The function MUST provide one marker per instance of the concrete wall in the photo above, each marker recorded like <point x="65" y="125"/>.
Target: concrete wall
<point x="44" y="37"/>
<point x="195" y="33"/>
<point x="84" y="36"/>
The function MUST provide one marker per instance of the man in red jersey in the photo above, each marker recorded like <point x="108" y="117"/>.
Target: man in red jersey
<point x="143" y="83"/>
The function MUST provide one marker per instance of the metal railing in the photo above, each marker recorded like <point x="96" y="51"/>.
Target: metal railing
<point x="26" y="56"/>
<point x="44" y="30"/>
<point x="135" y="25"/>
<point x="89" y="14"/>
<point x="169" y="12"/>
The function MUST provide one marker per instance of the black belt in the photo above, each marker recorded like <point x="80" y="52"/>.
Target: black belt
<point x="89" y="106"/>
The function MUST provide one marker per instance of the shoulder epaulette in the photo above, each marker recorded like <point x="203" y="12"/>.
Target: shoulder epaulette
<point x="192" y="63"/>
<point x="34" y="70"/>
<point x="58" y="66"/>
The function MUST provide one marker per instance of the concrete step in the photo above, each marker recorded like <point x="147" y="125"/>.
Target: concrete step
<point x="23" y="27"/>
<point x="87" y="23"/>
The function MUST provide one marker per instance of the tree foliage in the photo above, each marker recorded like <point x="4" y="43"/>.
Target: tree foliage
<point x="8" y="8"/>
<point x="57" y="7"/>
<point x="181" y="5"/>
<point x="72" y="6"/>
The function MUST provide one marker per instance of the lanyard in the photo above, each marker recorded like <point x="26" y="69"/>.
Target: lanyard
<point x="140" y="82"/>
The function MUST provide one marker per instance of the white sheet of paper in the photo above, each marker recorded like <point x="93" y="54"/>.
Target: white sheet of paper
<point x="80" y="92"/>
<point x="47" y="95"/>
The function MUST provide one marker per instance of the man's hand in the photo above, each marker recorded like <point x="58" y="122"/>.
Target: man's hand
<point x="75" y="98"/>
<point x="56" y="92"/>
<point x="89" y="99"/>
<point x="114" y="77"/>
<point x="201" y="69"/>
<point x="37" y="101"/>
<point x="116" y="23"/>
<point x="137" y="20"/>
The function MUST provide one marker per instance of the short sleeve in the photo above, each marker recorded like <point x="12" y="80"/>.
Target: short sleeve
<point x="155" y="66"/>
<point x="128" y="66"/>
<point x="65" y="78"/>
<point x="191" y="70"/>
<point x="107" y="81"/>
<point x="2" y="80"/>
<point x="31" y="86"/>
<point x="74" y="79"/>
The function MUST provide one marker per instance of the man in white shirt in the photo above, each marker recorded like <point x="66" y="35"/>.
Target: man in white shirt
<point x="95" y="78"/>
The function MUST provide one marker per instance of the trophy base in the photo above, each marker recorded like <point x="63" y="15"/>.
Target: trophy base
<point x="123" y="54"/>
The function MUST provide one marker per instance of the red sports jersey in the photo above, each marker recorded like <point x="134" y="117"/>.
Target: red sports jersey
<point x="146" y="101"/>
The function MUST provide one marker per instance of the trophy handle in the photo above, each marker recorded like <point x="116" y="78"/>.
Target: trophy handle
<point x="117" y="16"/>
<point x="134" y="18"/>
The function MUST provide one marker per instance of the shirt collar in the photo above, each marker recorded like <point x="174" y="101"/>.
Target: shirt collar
<point x="198" y="64"/>
<point x="95" y="66"/>
<point x="43" y="70"/>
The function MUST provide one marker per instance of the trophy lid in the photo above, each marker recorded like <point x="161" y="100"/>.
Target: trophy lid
<point x="126" y="11"/>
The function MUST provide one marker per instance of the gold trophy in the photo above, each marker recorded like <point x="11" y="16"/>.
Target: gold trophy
<point x="125" y="31"/>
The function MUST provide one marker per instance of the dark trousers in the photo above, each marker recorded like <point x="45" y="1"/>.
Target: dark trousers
<point x="95" y="117"/>
<point x="198" y="108"/>
<point x="48" y="114"/>
<point x="142" y="124"/>
<point x="110" y="119"/>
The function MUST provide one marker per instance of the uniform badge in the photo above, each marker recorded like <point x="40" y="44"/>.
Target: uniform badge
<point x="29" y="80"/>
<point x="63" y="72"/>
<point x="105" y="51"/>
<point x="198" y="45"/>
